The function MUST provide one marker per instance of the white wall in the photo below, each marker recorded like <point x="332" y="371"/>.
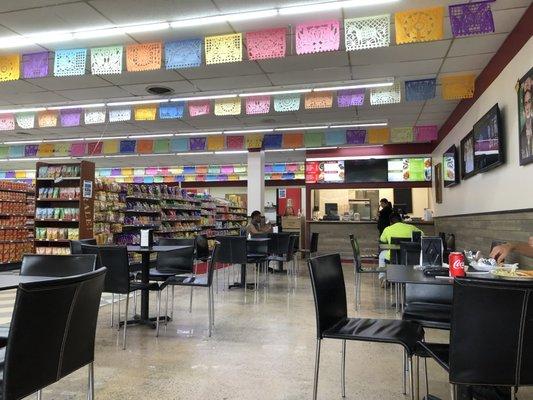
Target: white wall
<point x="510" y="186"/>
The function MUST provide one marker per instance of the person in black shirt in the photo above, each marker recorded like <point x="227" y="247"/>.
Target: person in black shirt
<point x="384" y="215"/>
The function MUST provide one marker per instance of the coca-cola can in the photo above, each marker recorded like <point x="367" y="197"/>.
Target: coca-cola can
<point x="456" y="261"/>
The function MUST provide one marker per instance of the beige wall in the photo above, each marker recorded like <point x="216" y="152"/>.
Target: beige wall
<point x="341" y="197"/>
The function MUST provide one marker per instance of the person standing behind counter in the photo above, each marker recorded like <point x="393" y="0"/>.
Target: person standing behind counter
<point x="256" y="226"/>
<point x="384" y="214"/>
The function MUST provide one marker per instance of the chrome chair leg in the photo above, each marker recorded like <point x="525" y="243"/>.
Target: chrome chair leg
<point x="158" y="313"/>
<point x="426" y="376"/>
<point x="453" y="392"/>
<point x="212" y="306"/>
<point x="417" y="377"/>
<point x="404" y="373"/>
<point x="125" y="322"/>
<point x="135" y="302"/>
<point x="166" y="306"/>
<point x="411" y="378"/>
<point x="39" y="395"/>
<point x="343" y="369"/>
<point x="112" y="309"/>
<point x="172" y="304"/>
<point x="190" y="301"/>
<point x="209" y="300"/>
<point x="317" y="366"/>
<point x="118" y="326"/>
<point x="90" y="385"/>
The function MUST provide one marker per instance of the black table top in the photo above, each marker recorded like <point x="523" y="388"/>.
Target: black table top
<point x="403" y="274"/>
<point x="259" y="239"/>
<point x="155" y="249"/>
<point x="8" y="282"/>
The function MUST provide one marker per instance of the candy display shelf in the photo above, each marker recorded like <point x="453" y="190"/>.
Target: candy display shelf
<point x="64" y="205"/>
<point x="109" y="206"/>
<point x="16" y="223"/>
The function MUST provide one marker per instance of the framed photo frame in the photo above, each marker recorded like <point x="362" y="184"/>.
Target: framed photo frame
<point x="525" y="118"/>
<point x="438" y="183"/>
<point x="468" y="168"/>
<point x="489" y="141"/>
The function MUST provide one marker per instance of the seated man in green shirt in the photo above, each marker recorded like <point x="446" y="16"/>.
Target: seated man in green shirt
<point x="396" y="229"/>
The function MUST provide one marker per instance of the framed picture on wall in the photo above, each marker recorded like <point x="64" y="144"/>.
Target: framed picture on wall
<point x="467" y="156"/>
<point x="525" y="118"/>
<point x="450" y="162"/>
<point x="438" y="183"/>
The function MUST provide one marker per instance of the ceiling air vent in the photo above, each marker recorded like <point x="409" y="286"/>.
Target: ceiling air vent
<point x="159" y="90"/>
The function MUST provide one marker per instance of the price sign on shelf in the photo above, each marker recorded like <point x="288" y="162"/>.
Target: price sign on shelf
<point x="88" y="189"/>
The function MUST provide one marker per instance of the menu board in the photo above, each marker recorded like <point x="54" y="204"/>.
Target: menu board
<point x="324" y="172"/>
<point x="409" y="170"/>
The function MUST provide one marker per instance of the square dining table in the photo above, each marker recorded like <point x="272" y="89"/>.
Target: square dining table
<point x="145" y="252"/>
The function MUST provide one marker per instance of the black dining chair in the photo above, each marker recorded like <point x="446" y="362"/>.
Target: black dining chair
<point x="233" y="250"/>
<point x="329" y="291"/>
<point x="57" y="266"/>
<point x="410" y="253"/>
<point x="204" y="281"/>
<point x="395" y="256"/>
<point x="52" y="334"/>
<point x="118" y="280"/>
<point x="358" y="269"/>
<point x="491" y="337"/>
<point x="283" y="251"/>
<point x="75" y="245"/>
<point x="172" y="263"/>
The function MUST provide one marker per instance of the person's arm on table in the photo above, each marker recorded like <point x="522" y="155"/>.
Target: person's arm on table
<point x="499" y="253"/>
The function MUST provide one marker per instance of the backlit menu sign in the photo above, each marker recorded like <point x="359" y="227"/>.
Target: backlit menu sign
<point x="324" y="172"/>
<point x="409" y="170"/>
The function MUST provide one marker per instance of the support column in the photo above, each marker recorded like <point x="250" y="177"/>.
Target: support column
<point x="256" y="181"/>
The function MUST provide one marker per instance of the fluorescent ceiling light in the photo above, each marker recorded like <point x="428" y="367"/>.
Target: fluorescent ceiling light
<point x="55" y="158"/>
<point x="360" y="86"/>
<point x="21" y="110"/>
<point x="156" y="155"/>
<point x="51" y="37"/>
<point x="67" y="140"/>
<point x="277" y="150"/>
<point x="160" y="26"/>
<point x="329" y="6"/>
<point x="198" y="133"/>
<point x="271" y="93"/>
<point x="98" y="33"/>
<point x="134" y="102"/>
<point x="108" y="138"/>
<point x="121" y="155"/>
<point x="321" y="148"/>
<point x="213" y="97"/>
<point x="151" y="136"/>
<point x="24" y="141"/>
<point x="95" y="105"/>
<point x="361" y="125"/>
<point x="301" y="128"/>
<point x="249" y="131"/>
<point x="24" y="159"/>
<point x="186" y="23"/>
<point x="231" y="152"/>
<point x="243" y="16"/>
<point x="195" y="153"/>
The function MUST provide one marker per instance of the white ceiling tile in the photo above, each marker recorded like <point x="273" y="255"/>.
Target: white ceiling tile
<point x="405" y="52"/>
<point x="315" y="61"/>
<point x="407" y="68"/>
<point x="505" y="20"/>
<point x="322" y="75"/>
<point x="135" y="11"/>
<point x="465" y="63"/>
<point x="102" y="93"/>
<point x="228" y="83"/>
<point x="53" y="18"/>
<point x="146" y="77"/>
<point x="476" y="44"/>
<point x="14" y="87"/>
<point x="12" y="5"/>
<point x="36" y="98"/>
<point x="221" y="70"/>
<point x="70" y="82"/>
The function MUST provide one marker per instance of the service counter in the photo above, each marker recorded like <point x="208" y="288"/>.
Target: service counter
<point x="334" y="235"/>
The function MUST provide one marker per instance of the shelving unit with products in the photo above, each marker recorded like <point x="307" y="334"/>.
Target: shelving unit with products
<point x="64" y="205"/>
<point x="109" y="206"/>
<point x="230" y="219"/>
<point x="15" y="223"/>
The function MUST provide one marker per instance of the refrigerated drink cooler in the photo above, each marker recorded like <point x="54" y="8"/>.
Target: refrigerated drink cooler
<point x="361" y="209"/>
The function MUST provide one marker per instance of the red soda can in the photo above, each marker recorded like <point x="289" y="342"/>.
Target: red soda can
<point x="456" y="261"/>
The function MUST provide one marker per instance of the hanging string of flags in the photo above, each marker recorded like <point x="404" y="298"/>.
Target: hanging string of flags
<point x="412" y="26"/>
<point x="211" y="143"/>
<point x="453" y="88"/>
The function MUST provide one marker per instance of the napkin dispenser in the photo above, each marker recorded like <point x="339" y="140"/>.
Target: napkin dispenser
<point x="147" y="237"/>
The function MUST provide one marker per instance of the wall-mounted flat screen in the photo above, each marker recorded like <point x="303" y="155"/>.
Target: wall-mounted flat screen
<point x="467" y="156"/>
<point x="450" y="164"/>
<point x="409" y="170"/>
<point x="324" y="172"/>
<point x="373" y="170"/>
<point x="488" y="141"/>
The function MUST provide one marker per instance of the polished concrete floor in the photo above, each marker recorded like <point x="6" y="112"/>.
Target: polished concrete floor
<point x="263" y="347"/>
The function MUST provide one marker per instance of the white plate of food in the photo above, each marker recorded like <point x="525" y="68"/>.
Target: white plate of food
<point x="513" y="274"/>
<point x="489" y="264"/>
